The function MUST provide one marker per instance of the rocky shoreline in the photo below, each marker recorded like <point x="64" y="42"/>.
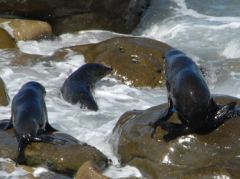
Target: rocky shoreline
<point x="192" y="156"/>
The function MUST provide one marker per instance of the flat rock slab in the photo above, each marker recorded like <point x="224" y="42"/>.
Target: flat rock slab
<point x="66" y="156"/>
<point x="192" y="156"/>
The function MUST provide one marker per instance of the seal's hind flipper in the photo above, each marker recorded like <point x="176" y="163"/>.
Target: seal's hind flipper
<point x="21" y="146"/>
<point x="49" y="128"/>
<point x="48" y="139"/>
<point x="225" y="112"/>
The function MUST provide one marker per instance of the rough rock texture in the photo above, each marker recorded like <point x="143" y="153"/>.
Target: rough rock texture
<point x="64" y="157"/>
<point x="89" y="170"/>
<point x="4" y="98"/>
<point x="9" y="170"/>
<point x="6" y="40"/>
<point x="66" y="16"/>
<point x="191" y="156"/>
<point x="136" y="61"/>
<point x="21" y="29"/>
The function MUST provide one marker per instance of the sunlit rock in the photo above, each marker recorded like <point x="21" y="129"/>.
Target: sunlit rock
<point x="65" y="156"/>
<point x="216" y="154"/>
<point x="89" y="170"/>
<point x="4" y="98"/>
<point x="136" y="61"/>
<point x="21" y="29"/>
<point x="6" y="40"/>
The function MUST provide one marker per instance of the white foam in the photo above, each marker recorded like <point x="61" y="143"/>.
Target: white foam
<point x="38" y="171"/>
<point x="48" y="47"/>
<point x="232" y="49"/>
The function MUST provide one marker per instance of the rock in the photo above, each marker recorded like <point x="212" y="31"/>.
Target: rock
<point x="191" y="156"/>
<point x="9" y="170"/>
<point x="136" y="61"/>
<point x="64" y="158"/>
<point x="6" y="41"/>
<point x="4" y="98"/>
<point x="21" y="29"/>
<point x="89" y="170"/>
<point x="123" y="19"/>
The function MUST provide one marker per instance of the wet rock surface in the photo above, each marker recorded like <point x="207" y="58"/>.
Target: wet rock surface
<point x="66" y="16"/>
<point x="192" y="156"/>
<point x="4" y="98"/>
<point x="89" y="170"/>
<point x="66" y="155"/>
<point x="22" y="29"/>
<point x="136" y="61"/>
<point x="6" y="40"/>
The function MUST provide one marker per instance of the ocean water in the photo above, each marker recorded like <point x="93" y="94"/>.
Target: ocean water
<point x="208" y="31"/>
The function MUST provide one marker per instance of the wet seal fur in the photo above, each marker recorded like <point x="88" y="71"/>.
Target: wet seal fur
<point x="78" y="87"/>
<point x="190" y="98"/>
<point x="29" y="117"/>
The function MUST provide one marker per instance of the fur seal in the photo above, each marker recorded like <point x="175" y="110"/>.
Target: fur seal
<point x="189" y="96"/>
<point x="29" y="117"/>
<point x="78" y="86"/>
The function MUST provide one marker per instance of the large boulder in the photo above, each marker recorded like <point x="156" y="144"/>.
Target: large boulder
<point x="4" y="98"/>
<point x="193" y="156"/>
<point x="136" y="61"/>
<point x="6" y="40"/>
<point x="21" y="29"/>
<point x="65" y="156"/>
<point x="66" y="16"/>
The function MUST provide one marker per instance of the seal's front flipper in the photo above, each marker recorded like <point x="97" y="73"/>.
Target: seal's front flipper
<point x="225" y="112"/>
<point x="21" y="146"/>
<point x="49" y="128"/>
<point x="165" y="117"/>
<point x="174" y="130"/>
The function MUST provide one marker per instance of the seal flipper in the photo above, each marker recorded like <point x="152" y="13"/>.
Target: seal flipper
<point x="9" y="125"/>
<point x="174" y="130"/>
<point x="21" y="146"/>
<point x="166" y="116"/>
<point x="49" y="128"/>
<point x="48" y="139"/>
<point x="225" y="112"/>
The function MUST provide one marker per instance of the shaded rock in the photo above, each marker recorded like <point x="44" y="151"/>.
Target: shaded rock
<point x="187" y="156"/>
<point x="6" y="41"/>
<point x="4" y="98"/>
<point x="88" y="21"/>
<point x="123" y="19"/>
<point x="136" y="61"/>
<point x="21" y="29"/>
<point x="89" y="170"/>
<point x="65" y="158"/>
